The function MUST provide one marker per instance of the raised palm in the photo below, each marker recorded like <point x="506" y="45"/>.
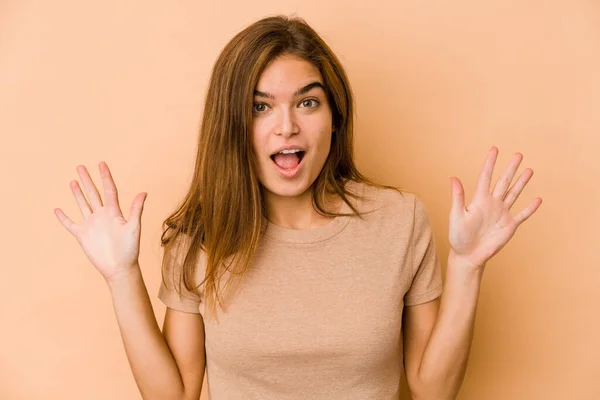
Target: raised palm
<point x="111" y="243"/>
<point x="480" y="230"/>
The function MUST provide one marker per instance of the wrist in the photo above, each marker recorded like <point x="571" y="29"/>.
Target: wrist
<point x="124" y="276"/>
<point x="456" y="261"/>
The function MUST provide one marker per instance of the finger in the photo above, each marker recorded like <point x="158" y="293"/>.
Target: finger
<point x="90" y="189"/>
<point x="485" y="176"/>
<point x="84" y="207"/>
<point x="137" y="206"/>
<point x="66" y="222"/>
<point x="516" y="190"/>
<point x="458" y="195"/>
<point x="111" y="195"/>
<point x="506" y="178"/>
<point x="528" y="212"/>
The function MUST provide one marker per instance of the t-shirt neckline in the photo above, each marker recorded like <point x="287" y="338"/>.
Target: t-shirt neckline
<point x="313" y="235"/>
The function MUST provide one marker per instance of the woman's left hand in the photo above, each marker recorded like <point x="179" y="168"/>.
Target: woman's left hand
<point x="483" y="228"/>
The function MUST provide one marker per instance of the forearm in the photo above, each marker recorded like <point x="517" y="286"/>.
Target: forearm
<point x="444" y="361"/>
<point x="151" y="361"/>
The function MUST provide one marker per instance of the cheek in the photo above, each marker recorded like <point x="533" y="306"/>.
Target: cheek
<point x="258" y="138"/>
<point x="325" y="141"/>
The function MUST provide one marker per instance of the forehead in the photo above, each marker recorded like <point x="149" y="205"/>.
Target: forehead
<point x="285" y="74"/>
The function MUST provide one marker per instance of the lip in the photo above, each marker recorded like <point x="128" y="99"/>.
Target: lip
<point x="289" y="173"/>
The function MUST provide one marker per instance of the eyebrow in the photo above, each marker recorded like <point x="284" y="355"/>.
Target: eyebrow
<point x="298" y="92"/>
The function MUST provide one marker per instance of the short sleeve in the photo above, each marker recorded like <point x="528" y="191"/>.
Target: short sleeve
<point x="187" y="301"/>
<point x="427" y="274"/>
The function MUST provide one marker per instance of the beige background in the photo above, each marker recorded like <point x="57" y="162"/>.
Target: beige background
<point x="436" y="84"/>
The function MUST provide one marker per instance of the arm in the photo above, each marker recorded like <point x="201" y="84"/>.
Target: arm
<point x="184" y="333"/>
<point x="417" y="324"/>
<point x="477" y="232"/>
<point x="437" y="349"/>
<point x="169" y="367"/>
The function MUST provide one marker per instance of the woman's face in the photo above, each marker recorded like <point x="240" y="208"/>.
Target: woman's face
<point x="290" y="109"/>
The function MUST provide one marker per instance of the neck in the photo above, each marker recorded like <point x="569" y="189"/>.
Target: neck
<point x="297" y="212"/>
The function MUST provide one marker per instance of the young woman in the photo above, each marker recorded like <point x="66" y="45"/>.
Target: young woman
<point x="288" y="274"/>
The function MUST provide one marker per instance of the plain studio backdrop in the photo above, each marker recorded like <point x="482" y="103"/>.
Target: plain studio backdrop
<point x="436" y="83"/>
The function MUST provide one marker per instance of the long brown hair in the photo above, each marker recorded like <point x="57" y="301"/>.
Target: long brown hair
<point x="223" y="212"/>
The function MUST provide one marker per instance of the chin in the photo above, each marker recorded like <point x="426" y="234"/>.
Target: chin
<point x="278" y="186"/>
<point x="287" y="188"/>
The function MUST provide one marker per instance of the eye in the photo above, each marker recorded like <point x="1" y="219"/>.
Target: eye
<point x="254" y="107"/>
<point x="309" y="100"/>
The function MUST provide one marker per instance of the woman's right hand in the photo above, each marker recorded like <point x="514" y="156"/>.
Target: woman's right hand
<point x="111" y="243"/>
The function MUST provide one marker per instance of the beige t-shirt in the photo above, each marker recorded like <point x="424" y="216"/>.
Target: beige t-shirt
<point x="318" y="314"/>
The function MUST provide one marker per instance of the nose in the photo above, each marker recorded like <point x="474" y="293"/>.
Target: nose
<point x="287" y="123"/>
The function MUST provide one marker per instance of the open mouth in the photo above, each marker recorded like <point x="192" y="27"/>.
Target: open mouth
<point x="299" y="154"/>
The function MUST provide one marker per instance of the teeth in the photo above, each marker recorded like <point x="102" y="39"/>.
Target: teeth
<point x="289" y="151"/>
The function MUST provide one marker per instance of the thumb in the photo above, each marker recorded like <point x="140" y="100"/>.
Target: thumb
<point x="458" y="195"/>
<point x="135" y="213"/>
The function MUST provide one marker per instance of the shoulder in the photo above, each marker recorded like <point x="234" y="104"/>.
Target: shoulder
<point x="396" y="211"/>
<point x="387" y="200"/>
<point x="177" y="252"/>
